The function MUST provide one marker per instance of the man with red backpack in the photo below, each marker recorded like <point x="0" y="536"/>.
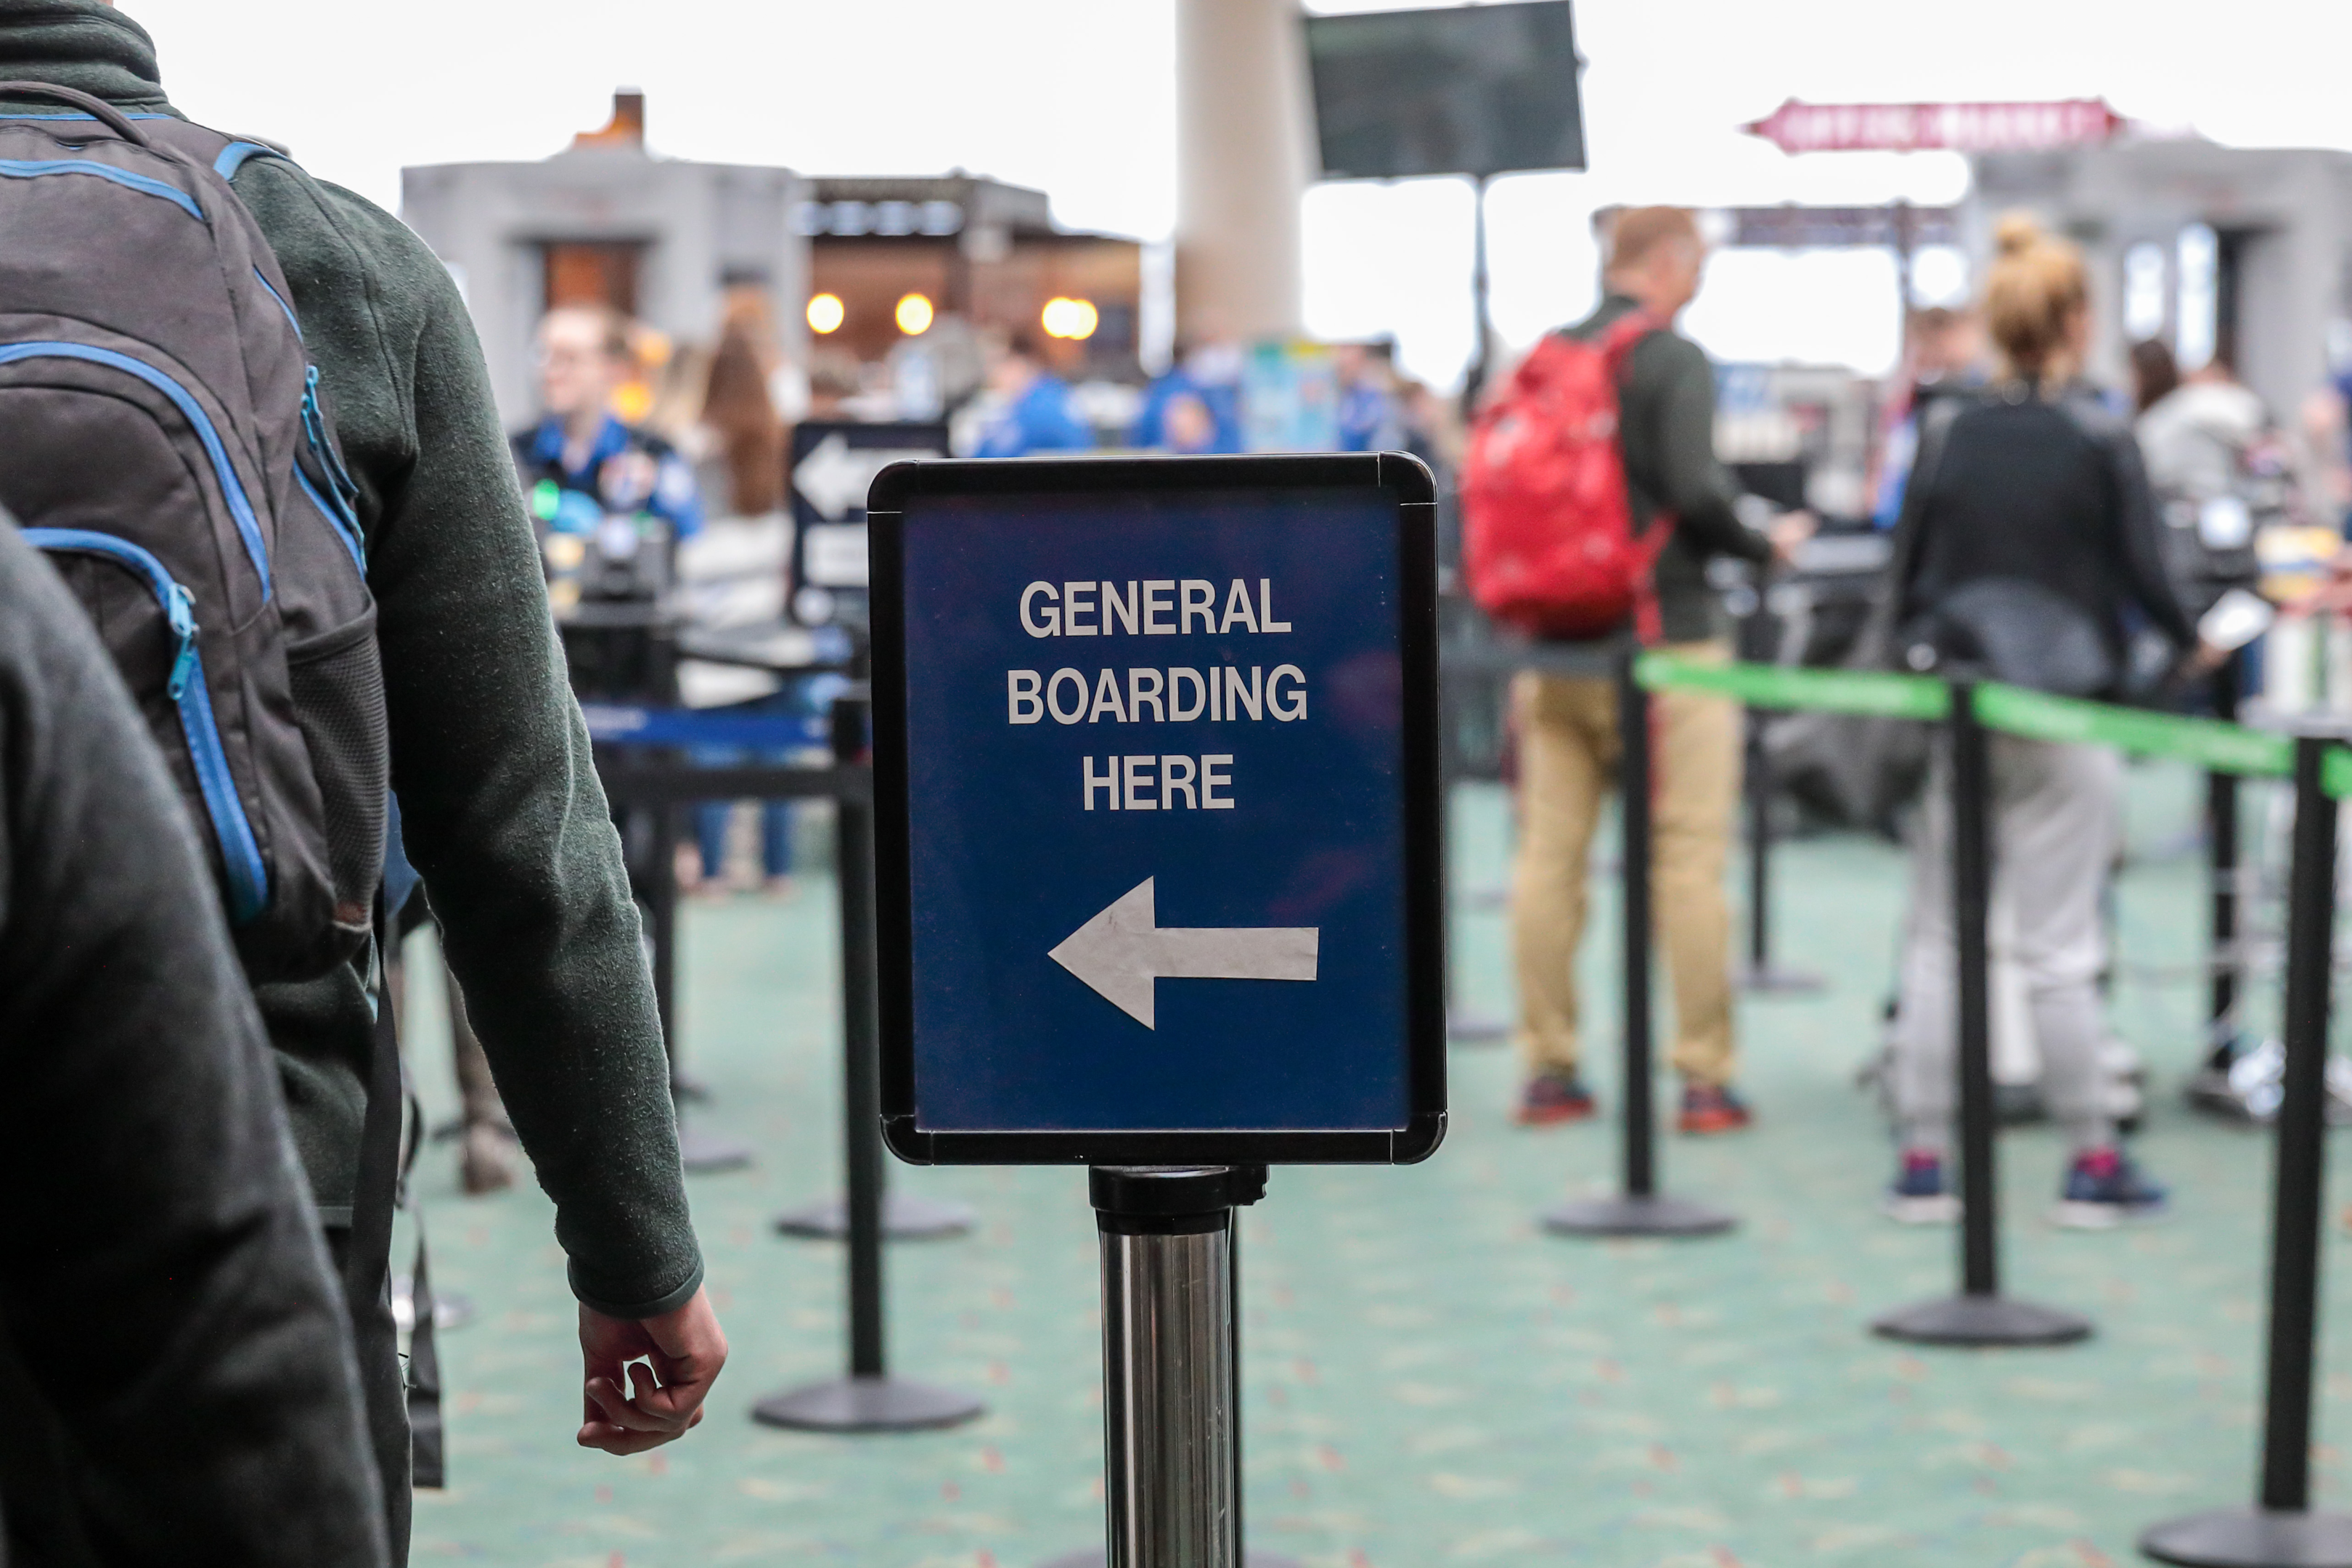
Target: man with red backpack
<point x="1580" y="526"/>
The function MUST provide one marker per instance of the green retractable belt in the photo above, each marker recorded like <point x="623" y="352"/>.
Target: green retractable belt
<point x="2209" y="743"/>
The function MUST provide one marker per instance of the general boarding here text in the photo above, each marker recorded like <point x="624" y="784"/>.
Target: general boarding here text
<point x="1124" y="695"/>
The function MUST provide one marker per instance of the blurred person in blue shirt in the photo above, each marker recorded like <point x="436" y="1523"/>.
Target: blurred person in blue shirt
<point x="1204" y="381"/>
<point x="1371" y="418"/>
<point x="1037" y="415"/>
<point x="1942" y="356"/>
<point x="580" y="462"/>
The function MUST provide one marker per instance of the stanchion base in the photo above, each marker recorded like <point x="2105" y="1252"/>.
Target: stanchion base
<point x="1656" y="1215"/>
<point x="705" y="1154"/>
<point x="1981" y="1320"/>
<point x="903" y="1219"/>
<point x="1469" y="1026"/>
<point x="2252" y="1538"/>
<point x="867" y="1404"/>
<point x="1097" y="1557"/>
<point x="1772" y="980"/>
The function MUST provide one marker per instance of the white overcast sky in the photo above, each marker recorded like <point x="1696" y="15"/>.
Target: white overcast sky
<point x="1077" y="97"/>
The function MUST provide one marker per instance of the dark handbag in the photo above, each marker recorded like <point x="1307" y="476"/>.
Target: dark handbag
<point x="1859" y="771"/>
<point x="2016" y="630"/>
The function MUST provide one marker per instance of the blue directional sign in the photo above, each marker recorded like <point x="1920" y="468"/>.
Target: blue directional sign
<point x="1155" y="765"/>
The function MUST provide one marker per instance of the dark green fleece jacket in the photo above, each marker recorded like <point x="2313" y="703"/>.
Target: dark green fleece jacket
<point x="500" y="807"/>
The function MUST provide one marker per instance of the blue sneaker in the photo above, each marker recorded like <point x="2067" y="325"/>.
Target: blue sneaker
<point x="2103" y="1189"/>
<point x="1919" y="1194"/>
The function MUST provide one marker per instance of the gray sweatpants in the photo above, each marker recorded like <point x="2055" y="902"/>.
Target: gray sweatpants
<point x="2056" y="816"/>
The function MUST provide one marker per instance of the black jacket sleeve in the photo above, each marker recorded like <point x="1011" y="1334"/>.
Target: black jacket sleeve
<point x="1680" y="473"/>
<point x="173" y="1354"/>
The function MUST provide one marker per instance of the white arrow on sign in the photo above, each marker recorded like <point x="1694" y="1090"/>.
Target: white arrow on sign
<point x="1122" y="951"/>
<point x="836" y="476"/>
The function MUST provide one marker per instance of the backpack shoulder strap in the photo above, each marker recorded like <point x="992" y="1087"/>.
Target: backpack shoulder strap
<point x="234" y="156"/>
<point x="1624" y="334"/>
<point x="225" y="153"/>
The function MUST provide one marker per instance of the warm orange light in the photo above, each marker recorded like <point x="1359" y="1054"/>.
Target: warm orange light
<point x="1073" y="319"/>
<point x="826" y="314"/>
<point x="914" y="315"/>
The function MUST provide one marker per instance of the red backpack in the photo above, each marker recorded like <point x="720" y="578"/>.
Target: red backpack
<point x="1548" y="540"/>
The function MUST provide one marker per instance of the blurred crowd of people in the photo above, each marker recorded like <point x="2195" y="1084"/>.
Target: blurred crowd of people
<point x="2108" y="543"/>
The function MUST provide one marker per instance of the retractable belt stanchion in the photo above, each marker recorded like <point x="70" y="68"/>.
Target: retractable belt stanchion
<point x="1760" y="975"/>
<point x="1763" y="975"/>
<point x="868" y="1399"/>
<point x="903" y="1219"/>
<point x="699" y="1152"/>
<point x="1171" y="1367"/>
<point x="1639" y="1209"/>
<point x="1979" y="1314"/>
<point x="2281" y="1530"/>
<point x="1465" y="1025"/>
<point x="2211" y="1088"/>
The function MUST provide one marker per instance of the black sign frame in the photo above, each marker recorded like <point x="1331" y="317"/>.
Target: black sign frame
<point x="1414" y="491"/>
<point x="856" y="434"/>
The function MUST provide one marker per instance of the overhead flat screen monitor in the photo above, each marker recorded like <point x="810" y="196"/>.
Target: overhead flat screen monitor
<point x="1156" y="803"/>
<point x="1475" y="89"/>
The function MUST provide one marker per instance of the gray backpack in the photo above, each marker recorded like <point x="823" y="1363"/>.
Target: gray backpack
<point x="163" y="439"/>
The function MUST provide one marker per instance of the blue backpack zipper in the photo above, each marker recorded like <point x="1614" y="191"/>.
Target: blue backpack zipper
<point x="248" y="880"/>
<point x="314" y="426"/>
<point x="145" y="184"/>
<point x="348" y="532"/>
<point x="343" y="511"/>
<point x="240" y="508"/>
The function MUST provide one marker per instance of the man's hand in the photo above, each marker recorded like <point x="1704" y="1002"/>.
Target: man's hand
<point x="1788" y="531"/>
<point x="2203" y="660"/>
<point x="630" y="1413"/>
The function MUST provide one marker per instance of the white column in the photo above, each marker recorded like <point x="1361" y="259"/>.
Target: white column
<point x="1244" y="155"/>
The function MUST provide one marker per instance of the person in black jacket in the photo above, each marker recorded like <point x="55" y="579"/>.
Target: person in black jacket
<point x="2030" y="555"/>
<point x="175" y="1358"/>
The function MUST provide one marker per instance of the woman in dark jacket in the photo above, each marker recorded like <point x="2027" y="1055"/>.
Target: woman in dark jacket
<point x="2031" y="556"/>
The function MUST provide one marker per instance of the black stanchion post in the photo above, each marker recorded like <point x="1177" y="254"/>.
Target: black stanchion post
<point x="1640" y="1209"/>
<point x="1763" y="975"/>
<point x="868" y="1399"/>
<point x="902" y="1218"/>
<point x="2209" y="1089"/>
<point x="1465" y="1025"/>
<point x="2281" y="1530"/>
<point x="697" y="1150"/>
<point x="1980" y="1314"/>
<point x="2221" y="816"/>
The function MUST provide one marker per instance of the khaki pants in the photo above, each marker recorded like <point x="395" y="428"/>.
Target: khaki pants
<point x="1567" y="731"/>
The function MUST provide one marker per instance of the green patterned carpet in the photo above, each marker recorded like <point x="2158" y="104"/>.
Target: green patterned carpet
<point x="1431" y="1379"/>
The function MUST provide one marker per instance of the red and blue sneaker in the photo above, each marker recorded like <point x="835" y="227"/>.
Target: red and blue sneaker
<point x="1920" y="1196"/>
<point x="2105" y="1188"/>
<point x="1712" y="1107"/>
<point x="1552" y="1098"/>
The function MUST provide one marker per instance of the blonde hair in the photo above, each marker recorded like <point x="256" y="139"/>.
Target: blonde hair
<point x="2036" y="285"/>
